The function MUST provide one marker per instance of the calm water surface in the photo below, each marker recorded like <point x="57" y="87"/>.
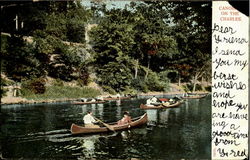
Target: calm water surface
<point x="42" y="131"/>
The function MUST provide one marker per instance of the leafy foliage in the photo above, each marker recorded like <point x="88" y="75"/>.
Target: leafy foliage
<point x="54" y="92"/>
<point x="132" y="48"/>
<point x="20" y="61"/>
<point x="115" y="75"/>
<point x="36" y="86"/>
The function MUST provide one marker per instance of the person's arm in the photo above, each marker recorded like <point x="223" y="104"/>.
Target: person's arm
<point x="93" y="120"/>
<point x="130" y="120"/>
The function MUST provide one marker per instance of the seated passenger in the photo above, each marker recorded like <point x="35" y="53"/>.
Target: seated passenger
<point x="171" y="101"/>
<point x="99" y="98"/>
<point x="126" y="119"/>
<point x="92" y="100"/>
<point x="149" y="102"/>
<point x="154" y="99"/>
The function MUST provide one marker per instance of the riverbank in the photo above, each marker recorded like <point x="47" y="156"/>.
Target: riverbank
<point x="67" y="93"/>
<point x="20" y="100"/>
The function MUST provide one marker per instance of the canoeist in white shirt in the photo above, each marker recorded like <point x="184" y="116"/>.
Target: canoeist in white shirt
<point x="92" y="100"/>
<point x="99" y="98"/>
<point x="154" y="100"/>
<point x="89" y="121"/>
<point x="148" y="102"/>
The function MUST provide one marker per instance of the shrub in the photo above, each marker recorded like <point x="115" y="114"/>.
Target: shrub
<point x="57" y="82"/>
<point x="108" y="89"/>
<point x="140" y="85"/>
<point x="55" y="92"/>
<point x="198" y="87"/>
<point x="36" y="86"/>
<point x="189" y="87"/>
<point x="185" y="88"/>
<point x="3" y="92"/>
<point x="115" y="75"/>
<point x="208" y="88"/>
<point x="129" y="91"/>
<point x="153" y="82"/>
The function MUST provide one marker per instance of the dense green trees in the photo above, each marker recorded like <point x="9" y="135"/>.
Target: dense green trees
<point x="154" y="37"/>
<point x="49" y="24"/>
<point x="193" y="34"/>
<point x="139" y="47"/>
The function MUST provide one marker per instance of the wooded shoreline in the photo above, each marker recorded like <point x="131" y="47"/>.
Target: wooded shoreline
<point x="20" y="100"/>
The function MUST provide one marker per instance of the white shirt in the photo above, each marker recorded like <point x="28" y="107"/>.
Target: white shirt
<point x="88" y="119"/>
<point x="148" y="101"/>
<point x="154" y="100"/>
<point x="100" y="98"/>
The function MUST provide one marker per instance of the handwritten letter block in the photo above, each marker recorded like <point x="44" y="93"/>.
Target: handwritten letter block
<point x="230" y="82"/>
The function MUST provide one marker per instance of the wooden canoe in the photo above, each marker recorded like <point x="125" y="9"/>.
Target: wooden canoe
<point x="75" y="129"/>
<point x="96" y="102"/>
<point x="194" y="97"/>
<point x="142" y="106"/>
<point x="115" y="98"/>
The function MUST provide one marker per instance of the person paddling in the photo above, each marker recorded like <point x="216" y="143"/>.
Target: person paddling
<point x="89" y="121"/>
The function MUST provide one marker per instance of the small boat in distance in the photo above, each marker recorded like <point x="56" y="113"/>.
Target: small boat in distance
<point x="161" y="106"/>
<point x="194" y="96"/>
<point x="89" y="102"/>
<point x="136" y="122"/>
<point x="115" y="98"/>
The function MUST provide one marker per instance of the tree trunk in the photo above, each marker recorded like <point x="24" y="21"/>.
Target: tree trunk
<point x="146" y="75"/>
<point x="195" y="82"/>
<point x="202" y="83"/>
<point x="136" y="68"/>
<point x="179" y="80"/>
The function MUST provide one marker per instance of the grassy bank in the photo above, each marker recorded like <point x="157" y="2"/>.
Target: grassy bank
<point x="57" y="92"/>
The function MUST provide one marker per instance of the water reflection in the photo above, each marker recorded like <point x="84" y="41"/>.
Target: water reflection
<point x="164" y="116"/>
<point x="152" y="115"/>
<point x="88" y="146"/>
<point x="100" y="110"/>
<point x="84" y="109"/>
<point x="118" y="102"/>
<point x="119" y="112"/>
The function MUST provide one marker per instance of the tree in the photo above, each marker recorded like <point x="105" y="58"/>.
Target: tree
<point x="193" y="33"/>
<point x="49" y="24"/>
<point x="112" y="45"/>
<point x="21" y="61"/>
<point x="154" y="41"/>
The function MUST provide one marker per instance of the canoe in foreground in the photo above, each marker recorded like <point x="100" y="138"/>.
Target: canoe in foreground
<point x="95" y="102"/>
<point x="194" y="97"/>
<point x="142" y="106"/>
<point x="75" y="129"/>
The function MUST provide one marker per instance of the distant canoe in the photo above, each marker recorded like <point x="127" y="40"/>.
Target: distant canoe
<point x="142" y="106"/>
<point x="75" y="129"/>
<point x="194" y="96"/>
<point x="89" y="102"/>
<point x="115" y="98"/>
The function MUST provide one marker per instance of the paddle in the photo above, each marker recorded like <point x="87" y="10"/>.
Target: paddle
<point x="105" y="124"/>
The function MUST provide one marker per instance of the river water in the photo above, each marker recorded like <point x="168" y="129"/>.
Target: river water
<point x="41" y="131"/>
